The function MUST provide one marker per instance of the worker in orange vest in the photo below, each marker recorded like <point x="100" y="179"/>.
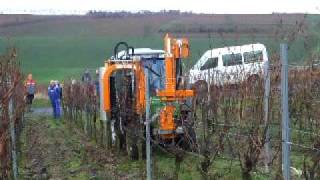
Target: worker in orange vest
<point x="30" y="86"/>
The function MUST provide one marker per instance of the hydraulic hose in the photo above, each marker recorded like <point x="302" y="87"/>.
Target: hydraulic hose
<point x="115" y="51"/>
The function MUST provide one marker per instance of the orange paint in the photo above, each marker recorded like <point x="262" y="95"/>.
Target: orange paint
<point x="111" y="67"/>
<point x="166" y="118"/>
<point x="174" y="50"/>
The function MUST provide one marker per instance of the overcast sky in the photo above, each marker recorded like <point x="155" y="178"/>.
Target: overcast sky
<point x="204" y="6"/>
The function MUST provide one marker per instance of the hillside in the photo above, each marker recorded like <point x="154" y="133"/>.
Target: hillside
<point x="55" y="46"/>
<point x="32" y="25"/>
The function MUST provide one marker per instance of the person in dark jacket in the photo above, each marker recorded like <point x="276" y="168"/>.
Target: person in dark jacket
<point x="86" y="77"/>
<point x="97" y="84"/>
<point x="53" y="95"/>
<point x="58" y="90"/>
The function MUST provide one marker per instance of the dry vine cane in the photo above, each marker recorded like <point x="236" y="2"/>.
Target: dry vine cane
<point x="11" y="94"/>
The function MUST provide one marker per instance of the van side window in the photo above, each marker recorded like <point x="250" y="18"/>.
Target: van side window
<point x="211" y="63"/>
<point x="232" y="59"/>
<point x="253" y="56"/>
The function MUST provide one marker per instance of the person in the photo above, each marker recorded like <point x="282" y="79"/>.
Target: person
<point x="86" y="77"/>
<point x="30" y="86"/>
<point x="58" y="90"/>
<point x="53" y="96"/>
<point x="97" y="84"/>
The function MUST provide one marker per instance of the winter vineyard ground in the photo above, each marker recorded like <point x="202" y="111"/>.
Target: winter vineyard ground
<point x="229" y="124"/>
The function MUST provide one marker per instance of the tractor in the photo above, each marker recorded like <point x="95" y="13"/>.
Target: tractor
<point x="124" y="92"/>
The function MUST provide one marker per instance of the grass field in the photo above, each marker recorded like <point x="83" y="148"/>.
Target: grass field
<point x="59" y="48"/>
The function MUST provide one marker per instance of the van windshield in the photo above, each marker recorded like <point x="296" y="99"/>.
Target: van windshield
<point x="232" y="59"/>
<point x="210" y="63"/>
<point x="253" y="56"/>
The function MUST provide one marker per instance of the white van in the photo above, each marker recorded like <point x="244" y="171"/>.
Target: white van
<point x="230" y="65"/>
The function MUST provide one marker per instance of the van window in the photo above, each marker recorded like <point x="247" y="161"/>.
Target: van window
<point x="210" y="63"/>
<point x="232" y="59"/>
<point x="253" y="56"/>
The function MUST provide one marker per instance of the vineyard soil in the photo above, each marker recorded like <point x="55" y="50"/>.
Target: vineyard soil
<point x="51" y="150"/>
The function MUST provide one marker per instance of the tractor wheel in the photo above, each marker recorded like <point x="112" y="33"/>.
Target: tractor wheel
<point x="187" y="141"/>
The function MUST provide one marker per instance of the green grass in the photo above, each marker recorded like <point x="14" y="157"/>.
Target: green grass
<point x="164" y="168"/>
<point x="60" y="49"/>
<point x="41" y="103"/>
<point x="60" y="58"/>
<point x="74" y="164"/>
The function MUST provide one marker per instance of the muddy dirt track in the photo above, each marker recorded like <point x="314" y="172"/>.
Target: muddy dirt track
<point x="53" y="150"/>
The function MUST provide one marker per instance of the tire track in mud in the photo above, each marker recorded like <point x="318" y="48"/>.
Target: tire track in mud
<point x="51" y="150"/>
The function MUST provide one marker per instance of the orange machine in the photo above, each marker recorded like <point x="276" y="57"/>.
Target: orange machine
<point x="175" y="50"/>
<point x="112" y="66"/>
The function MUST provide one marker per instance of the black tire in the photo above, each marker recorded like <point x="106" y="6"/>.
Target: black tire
<point x="188" y="141"/>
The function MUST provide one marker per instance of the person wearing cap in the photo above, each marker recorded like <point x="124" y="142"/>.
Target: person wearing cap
<point x="30" y="86"/>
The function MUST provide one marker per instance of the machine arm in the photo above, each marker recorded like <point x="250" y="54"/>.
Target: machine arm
<point x="175" y="50"/>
